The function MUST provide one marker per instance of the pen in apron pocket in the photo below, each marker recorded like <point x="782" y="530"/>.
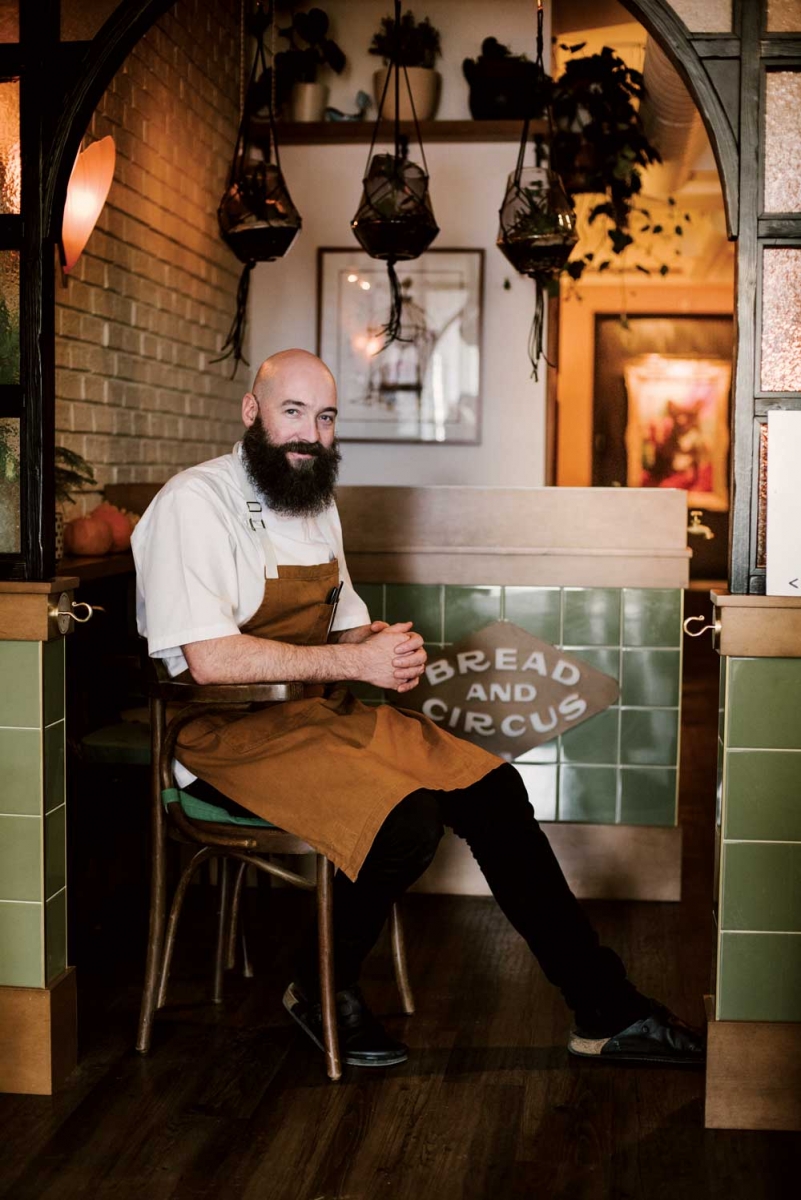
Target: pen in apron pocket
<point x="333" y="599"/>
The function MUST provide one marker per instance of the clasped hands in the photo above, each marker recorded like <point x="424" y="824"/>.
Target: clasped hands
<point x="395" y="657"/>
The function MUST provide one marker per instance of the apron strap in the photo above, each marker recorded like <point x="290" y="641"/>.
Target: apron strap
<point x="255" y="516"/>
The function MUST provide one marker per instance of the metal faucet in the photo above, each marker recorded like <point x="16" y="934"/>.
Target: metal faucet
<point x="696" y="527"/>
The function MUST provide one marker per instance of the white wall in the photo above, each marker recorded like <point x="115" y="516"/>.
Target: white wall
<point x="467" y="186"/>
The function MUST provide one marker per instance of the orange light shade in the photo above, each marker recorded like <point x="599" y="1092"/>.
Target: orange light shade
<point x="86" y="194"/>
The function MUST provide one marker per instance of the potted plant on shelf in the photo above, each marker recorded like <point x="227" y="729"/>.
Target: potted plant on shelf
<point x="504" y="85"/>
<point x="296" y="85"/>
<point x="599" y="143"/>
<point x="418" y="49"/>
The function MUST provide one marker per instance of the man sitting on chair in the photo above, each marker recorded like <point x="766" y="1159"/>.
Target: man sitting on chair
<point x="242" y="579"/>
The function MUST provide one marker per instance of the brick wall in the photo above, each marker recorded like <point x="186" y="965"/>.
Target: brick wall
<point x="149" y="303"/>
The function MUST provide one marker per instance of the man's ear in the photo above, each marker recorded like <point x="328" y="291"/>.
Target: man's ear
<point x="250" y="408"/>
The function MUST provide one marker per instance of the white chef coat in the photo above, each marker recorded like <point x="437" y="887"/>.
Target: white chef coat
<point x="200" y="566"/>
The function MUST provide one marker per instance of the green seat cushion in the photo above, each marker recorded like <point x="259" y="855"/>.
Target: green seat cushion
<point x="202" y="810"/>
<point x="127" y="742"/>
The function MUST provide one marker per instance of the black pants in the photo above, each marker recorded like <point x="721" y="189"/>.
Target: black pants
<point x="496" y="819"/>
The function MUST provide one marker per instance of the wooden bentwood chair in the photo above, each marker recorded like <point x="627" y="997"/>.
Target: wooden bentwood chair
<point x="237" y="840"/>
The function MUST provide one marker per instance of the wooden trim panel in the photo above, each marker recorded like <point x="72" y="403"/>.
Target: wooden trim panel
<point x="38" y="1036"/>
<point x="753" y="1075"/>
<point x="600" y="862"/>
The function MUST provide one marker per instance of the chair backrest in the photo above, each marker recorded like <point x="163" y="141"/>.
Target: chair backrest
<point x="195" y="700"/>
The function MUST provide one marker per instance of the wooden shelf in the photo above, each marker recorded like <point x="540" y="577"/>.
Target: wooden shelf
<point x="343" y="133"/>
<point x="96" y="566"/>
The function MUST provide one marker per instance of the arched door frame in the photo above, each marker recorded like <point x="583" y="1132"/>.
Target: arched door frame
<point x="709" y="64"/>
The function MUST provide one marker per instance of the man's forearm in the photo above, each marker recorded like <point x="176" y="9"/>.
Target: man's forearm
<point x="360" y="633"/>
<point x="245" y="659"/>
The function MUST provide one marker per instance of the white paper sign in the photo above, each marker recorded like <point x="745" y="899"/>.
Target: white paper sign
<point x="784" y="504"/>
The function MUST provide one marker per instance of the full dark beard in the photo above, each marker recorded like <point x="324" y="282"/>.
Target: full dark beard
<point x="303" y="490"/>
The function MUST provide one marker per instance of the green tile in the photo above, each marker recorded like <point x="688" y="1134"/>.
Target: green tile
<point x="759" y="977"/>
<point x="53" y="680"/>
<point x="594" y="740"/>
<point x="21" y="950"/>
<point x="761" y="886"/>
<point x="605" y="660"/>
<point x="55" y="936"/>
<point x="545" y="753"/>
<point x="373" y="596"/>
<point x="651" y="678"/>
<point x="763" y="795"/>
<point x="20" y="672"/>
<point x="20" y="858"/>
<point x="54" y="793"/>
<point x="20" y="761"/>
<point x="468" y="609"/>
<point x="764" y="703"/>
<point x="587" y="794"/>
<point x="538" y="610"/>
<point x="652" y="617"/>
<point x="540" y="784"/>
<point x="592" y="617"/>
<point x="417" y="602"/>
<point x="648" y="796"/>
<point x="55" y="851"/>
<point x="722" y="698"/>
<point x="649" y="737"/>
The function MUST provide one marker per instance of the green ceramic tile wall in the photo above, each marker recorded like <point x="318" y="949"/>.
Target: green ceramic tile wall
<point x="32" y="847"/>
<point x="761" y="887"/>
<point x="764" y="703"/>
<point x="20" y="695"/>
<point x="759" y="977"/>
<point x="21" y="946"/>
<point x="620" y="765"/>
<point x="21" y="759"/>
<point x="759" y="952"/>
<point x="55" y="936"/>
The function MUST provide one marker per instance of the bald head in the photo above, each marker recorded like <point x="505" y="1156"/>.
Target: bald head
<point x="280" y="371"/>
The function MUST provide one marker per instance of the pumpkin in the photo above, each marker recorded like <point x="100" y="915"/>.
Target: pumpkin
<point x="118" y="521"/>
<point x="87" y="535"/>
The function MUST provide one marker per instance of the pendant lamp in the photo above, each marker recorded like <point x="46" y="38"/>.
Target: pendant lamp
<point x="87" y="192"/>
<point x="395" y="220"/>
<point x="257" y="218"/>
<point x="537" y="221"/>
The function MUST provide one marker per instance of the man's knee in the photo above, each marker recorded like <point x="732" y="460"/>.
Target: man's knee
<point x="412" y="831"/>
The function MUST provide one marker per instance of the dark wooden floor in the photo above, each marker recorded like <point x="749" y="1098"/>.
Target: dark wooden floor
<point x="233" y="1103"/>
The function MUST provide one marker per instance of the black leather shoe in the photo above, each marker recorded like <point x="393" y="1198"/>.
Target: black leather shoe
<point x="658" y="1038"/>
<point x="363" y="1041"/>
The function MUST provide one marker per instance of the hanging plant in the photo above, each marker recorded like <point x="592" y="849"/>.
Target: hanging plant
<point x="257" y="218"/>
<point x="537" y="223"/>
<point x="395" y="219"/>
<point x="599" y="144"/>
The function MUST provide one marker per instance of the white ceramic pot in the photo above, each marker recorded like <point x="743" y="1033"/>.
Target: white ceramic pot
<point x="308" y="101"/>
<point x="425" y="86"/>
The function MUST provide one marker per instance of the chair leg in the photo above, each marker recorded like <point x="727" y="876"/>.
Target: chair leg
<point x="222" y="929"/>
<point x="399" y="961"/>
<point x="172" y="924"/>
<point x="325" y="942"/>
<point x="158" y="886"/>
<point x="233" y="925"/>
<point x="247" y="965"/>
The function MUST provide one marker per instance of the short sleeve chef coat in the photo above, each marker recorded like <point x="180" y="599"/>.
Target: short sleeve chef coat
<point x="200" y="566"/>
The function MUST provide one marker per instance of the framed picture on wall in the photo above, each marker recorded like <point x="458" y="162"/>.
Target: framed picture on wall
<point x="677" y="434"/>
<point x="426" y="388"/>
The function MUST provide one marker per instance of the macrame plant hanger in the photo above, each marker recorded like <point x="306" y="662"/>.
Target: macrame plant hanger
<point x="537" y="221"/>
<point x="257" y="218"/>
<point x="395" y="219"/>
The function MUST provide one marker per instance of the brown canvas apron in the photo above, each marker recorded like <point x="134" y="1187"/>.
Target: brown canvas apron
<point x="327" y="768"/>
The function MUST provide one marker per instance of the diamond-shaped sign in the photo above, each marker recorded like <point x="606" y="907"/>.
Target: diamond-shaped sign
<point x="508" y="691"/>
